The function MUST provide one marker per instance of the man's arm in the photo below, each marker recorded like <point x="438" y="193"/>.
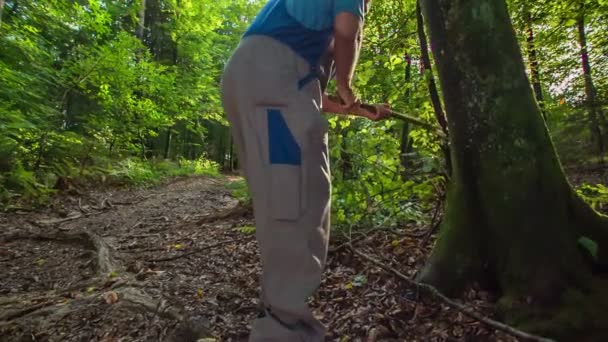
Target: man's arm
<point x="347" y="30"/>
<point x="373" y="112"/>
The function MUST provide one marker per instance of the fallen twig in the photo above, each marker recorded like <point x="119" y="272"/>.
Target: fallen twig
<point x="465" y="310"/>
<point x="198" y="250"/>
<point x="435" y="223"/>
<point x="346" y="244"/>
<point x="67" y="219"/>
<point x="82" y="210"/>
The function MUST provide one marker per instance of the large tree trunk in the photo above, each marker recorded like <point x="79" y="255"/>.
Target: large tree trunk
<point x="596" y="115"/>
<point x="512" y="219"/>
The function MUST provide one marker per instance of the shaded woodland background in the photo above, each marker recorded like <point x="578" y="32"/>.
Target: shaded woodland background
<point x="127" y="91"/>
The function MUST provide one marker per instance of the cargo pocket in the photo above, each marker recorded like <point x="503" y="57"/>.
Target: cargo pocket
<point x="285" y="157"/>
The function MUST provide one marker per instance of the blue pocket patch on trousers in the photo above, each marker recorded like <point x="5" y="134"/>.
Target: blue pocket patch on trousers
<point x="282" y="146"/>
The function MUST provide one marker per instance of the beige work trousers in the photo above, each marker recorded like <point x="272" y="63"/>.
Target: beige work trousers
<point x="281" y="141"/>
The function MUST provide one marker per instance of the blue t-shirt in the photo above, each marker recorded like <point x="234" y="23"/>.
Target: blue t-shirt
<point x="306" y="26"/>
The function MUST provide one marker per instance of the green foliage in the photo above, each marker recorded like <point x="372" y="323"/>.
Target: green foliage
<point x="371" y="185"/>
<point x="554" y="25"/>
<point x="82" y="96"/>
<point x="138" y="172"/>
<point x="246" y="230"/>
<point x="595" y="195"/>
<point x="589" y="245"/>
<point x="239" y="190"/>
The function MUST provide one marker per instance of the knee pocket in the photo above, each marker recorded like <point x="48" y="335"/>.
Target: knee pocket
<point x="286" y="169"/>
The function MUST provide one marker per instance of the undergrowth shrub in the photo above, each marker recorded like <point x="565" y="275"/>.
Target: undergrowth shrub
<point x="239" y="190"/>
<point x="595" y="195"/>
<point x="20" y="186"/>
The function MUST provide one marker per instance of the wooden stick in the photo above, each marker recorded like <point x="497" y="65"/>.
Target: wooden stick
<point x="410" y="119"/>
<point x="404" y="117"/>
<point x="467" y="311"/>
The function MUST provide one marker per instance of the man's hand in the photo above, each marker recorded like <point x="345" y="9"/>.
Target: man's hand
<point x="333" y="104"/>
<point x="375" y="112"/>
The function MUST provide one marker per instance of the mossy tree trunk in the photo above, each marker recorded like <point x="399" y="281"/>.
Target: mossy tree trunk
<point x="512" y="219"/>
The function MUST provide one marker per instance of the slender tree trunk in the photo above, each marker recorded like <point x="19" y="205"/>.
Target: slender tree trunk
<point x="111" y="147"/>
<point x="433" y="92"/>
<point x="168" y="139"/>
<point x="40" y="154"/>
<point x="185" y="150"/>
<point x="141" y="25"/>
<point x="1" y="11"/>
<point x="142" y="144"/>
<point x="596" y="116"/>
<point x="232" y="161"/>
<point x="533" y="62"/>
<point x="512" y="219"/>
<point x="428" y="70"/>
<point x="345" y="156"/>
<point x="405" y="147"/>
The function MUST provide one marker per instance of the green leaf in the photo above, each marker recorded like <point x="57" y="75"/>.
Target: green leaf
<point x="359" y="280"/>
<point x="589" y="245"/>
<point x="247" y="230"/>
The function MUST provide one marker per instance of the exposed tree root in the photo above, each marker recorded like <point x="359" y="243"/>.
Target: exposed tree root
<point x="105" y="262"/>
<point x="47" y="311"/>
<point x="465" y="310"/>
<point x="242" y="209"/>
<point x="68" y="219"/>
<point x="137" y="300"/>
<point x="43" y="316"/>
<point x="18" y="313"/>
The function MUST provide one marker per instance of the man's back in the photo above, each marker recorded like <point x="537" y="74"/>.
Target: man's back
<point x="304" y="25"/>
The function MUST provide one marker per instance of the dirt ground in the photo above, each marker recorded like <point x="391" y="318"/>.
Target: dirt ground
<point x="174" y="263"/>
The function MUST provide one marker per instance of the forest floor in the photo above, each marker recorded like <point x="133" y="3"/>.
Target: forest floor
<point x="162" y="263"/>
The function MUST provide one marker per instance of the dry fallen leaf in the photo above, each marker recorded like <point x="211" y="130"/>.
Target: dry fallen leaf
<point x="110" y="297"/>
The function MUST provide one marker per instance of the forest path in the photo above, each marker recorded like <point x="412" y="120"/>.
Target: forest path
<point x="174" y="261"/>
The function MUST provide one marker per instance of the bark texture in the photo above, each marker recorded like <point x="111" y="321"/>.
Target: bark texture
<point x="512" y="219"/>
